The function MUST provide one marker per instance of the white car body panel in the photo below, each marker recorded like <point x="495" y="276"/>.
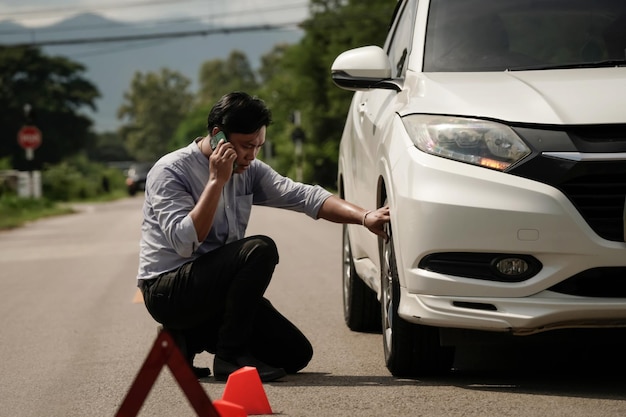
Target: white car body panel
<point x="560" y="97"/>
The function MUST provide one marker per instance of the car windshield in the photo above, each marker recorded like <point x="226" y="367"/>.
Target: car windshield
<point x="488" y="35"/>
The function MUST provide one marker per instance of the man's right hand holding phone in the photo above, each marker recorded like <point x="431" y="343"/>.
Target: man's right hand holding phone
<point x="222" y="159"/>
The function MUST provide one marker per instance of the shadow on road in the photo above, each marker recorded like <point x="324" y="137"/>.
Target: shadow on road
<point x="580" y="365"/>
<point x="577" y="367"/>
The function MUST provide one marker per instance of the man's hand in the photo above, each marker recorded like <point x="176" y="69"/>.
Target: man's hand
<point x="376" y="220"/>
<point x="222" y="161"/>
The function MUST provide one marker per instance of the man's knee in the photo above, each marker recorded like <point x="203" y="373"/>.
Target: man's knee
<point x="264" y="247"/>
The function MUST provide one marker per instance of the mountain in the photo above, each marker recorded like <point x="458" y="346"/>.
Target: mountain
<point x="111" y="65"/>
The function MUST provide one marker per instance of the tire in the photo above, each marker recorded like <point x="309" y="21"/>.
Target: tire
<point x="361" y="309"/>
<point x="411" y="350"/>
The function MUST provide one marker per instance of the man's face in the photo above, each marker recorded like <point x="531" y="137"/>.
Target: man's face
<point x="247" y="146"/>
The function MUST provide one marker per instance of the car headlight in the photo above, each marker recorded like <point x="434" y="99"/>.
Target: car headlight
<point x="479" y="142"/>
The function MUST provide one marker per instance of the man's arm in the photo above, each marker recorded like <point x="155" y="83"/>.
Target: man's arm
<point x="338" y="210"/>
<point x="220" y="170"/>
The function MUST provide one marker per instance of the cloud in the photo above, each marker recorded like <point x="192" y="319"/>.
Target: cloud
<point x="45" y="12"/>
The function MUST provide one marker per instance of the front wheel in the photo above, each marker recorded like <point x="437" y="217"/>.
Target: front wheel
<point x="411" y="350"/>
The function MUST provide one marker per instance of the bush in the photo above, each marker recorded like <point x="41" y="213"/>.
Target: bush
<point x="72" y="180"/>
<point x="15" y="211"/>
<point x="79" y="179"/>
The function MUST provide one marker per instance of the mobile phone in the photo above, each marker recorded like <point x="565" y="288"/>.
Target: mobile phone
<point x="215" y="139"/>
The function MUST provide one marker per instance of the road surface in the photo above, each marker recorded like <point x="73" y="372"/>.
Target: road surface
<point x="74" y="335"/>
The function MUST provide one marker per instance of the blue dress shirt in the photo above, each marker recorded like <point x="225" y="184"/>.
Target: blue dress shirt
<point x="173" y="187"/>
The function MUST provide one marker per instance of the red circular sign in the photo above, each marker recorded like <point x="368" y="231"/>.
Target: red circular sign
<point x="29" y="137"/>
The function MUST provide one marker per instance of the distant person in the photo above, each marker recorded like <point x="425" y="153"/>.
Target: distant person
<point x="201" y="277"/>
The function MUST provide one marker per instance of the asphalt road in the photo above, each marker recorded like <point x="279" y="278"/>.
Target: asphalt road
<point x="74" y="335"/>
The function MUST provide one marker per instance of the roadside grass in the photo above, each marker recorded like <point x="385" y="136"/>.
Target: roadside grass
<point x="16" y="211"/>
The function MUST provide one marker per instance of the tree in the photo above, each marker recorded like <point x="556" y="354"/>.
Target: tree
<point x="333" y="28"/>
<point x="281" y="81"/>
<point x="153" y="108"/>
<point x="108" y="147"/>
<point x="298" y="77"/>
<point x="218" y="77"/>
<point x="192" y="126"/>
<point x="56" y="92"/>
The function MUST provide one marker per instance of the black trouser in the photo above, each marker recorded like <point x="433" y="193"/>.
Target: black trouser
<point x="217" y="301"/>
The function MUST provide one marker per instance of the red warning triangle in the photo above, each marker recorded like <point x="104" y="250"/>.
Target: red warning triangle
<point x="165" y="352"/>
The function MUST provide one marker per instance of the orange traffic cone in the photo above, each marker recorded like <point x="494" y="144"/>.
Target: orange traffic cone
<point x="228" y="409"/>
<point x="244" y="388"/>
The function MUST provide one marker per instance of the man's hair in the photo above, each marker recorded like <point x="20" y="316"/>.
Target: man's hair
<point x="238" y="112"/>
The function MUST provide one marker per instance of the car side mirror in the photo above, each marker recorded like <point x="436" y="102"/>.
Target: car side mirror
<point x="363" y="68"/>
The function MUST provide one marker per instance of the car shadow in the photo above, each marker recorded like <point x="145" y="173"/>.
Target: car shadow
<point x="573" y="367"/>
<point x="585" y="370"/>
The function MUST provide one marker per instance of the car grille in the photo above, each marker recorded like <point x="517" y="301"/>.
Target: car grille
<point x="600" y="200"/>
<point x="596" y="188"/>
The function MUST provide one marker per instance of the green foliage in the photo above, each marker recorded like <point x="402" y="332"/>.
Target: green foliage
<point x="75" y="179"/>
<point x="192" y="126"/>
<point x="153" y="108"/>
<point x="334" y="27"/>
<point x="79" y="179"/>
<point x="56" y="91"/>
<point x="5" y="163"/>
<point x="297" y="77"/>
<point x="293" y="77"/>
<point x="107" y="147"/>
<point x="218" y="77"/>
<point x="16" y="211"/>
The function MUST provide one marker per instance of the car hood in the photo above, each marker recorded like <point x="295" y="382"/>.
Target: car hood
<point x="561" y="97"/>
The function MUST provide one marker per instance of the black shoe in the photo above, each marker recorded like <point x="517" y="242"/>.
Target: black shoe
<point x="201" y="372"/>
<point x="223" y="368"/>
<point x="181" y="342"/>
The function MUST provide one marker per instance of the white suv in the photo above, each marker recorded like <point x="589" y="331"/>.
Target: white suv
<point x="496" y="132"/>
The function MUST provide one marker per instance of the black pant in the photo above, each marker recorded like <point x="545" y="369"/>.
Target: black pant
<point x="217" y="301"/>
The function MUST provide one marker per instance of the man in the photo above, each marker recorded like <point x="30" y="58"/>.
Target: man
<point x="201" y="277"/>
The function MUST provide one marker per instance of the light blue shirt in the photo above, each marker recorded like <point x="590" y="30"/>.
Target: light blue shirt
<point x="174" y="185"/>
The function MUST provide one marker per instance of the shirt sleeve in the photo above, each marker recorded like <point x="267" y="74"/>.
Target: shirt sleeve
<point x="171" y="203"/>
<point x="274" y="190"/>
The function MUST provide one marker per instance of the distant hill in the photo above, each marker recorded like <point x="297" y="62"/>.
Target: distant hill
<point x="111" y="65"/>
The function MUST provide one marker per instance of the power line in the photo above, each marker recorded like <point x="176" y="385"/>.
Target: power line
<point x="114" y="24"/>
<point x="151" y="36"/>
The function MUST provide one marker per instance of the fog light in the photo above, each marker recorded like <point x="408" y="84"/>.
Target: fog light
<point x="500" y="267"/>
<point x="512" y="266"/>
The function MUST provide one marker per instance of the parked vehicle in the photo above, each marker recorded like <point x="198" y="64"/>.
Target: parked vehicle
<point x="496" y="132"/>
<point x="136" y="177"/>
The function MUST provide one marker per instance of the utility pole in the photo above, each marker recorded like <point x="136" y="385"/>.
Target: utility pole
<point x="298" y="136"/>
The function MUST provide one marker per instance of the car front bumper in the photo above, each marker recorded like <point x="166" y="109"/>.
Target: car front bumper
<point x="446" y="206"/>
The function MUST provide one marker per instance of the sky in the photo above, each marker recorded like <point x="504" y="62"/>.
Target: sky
<point x="37" y="13"/>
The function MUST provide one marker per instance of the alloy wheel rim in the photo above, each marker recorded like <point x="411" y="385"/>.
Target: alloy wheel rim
<point x="387" y="296"/>
<point x="346" y="271"/>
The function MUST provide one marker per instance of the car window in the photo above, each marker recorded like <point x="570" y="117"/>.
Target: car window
<point x="399" y="45"/>
<point x="487" y="35"/>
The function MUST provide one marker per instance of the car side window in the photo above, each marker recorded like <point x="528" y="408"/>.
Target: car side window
<point x="400" y="42"/>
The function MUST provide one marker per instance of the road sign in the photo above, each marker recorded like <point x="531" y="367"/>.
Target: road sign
<point x="29" y="137"/>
